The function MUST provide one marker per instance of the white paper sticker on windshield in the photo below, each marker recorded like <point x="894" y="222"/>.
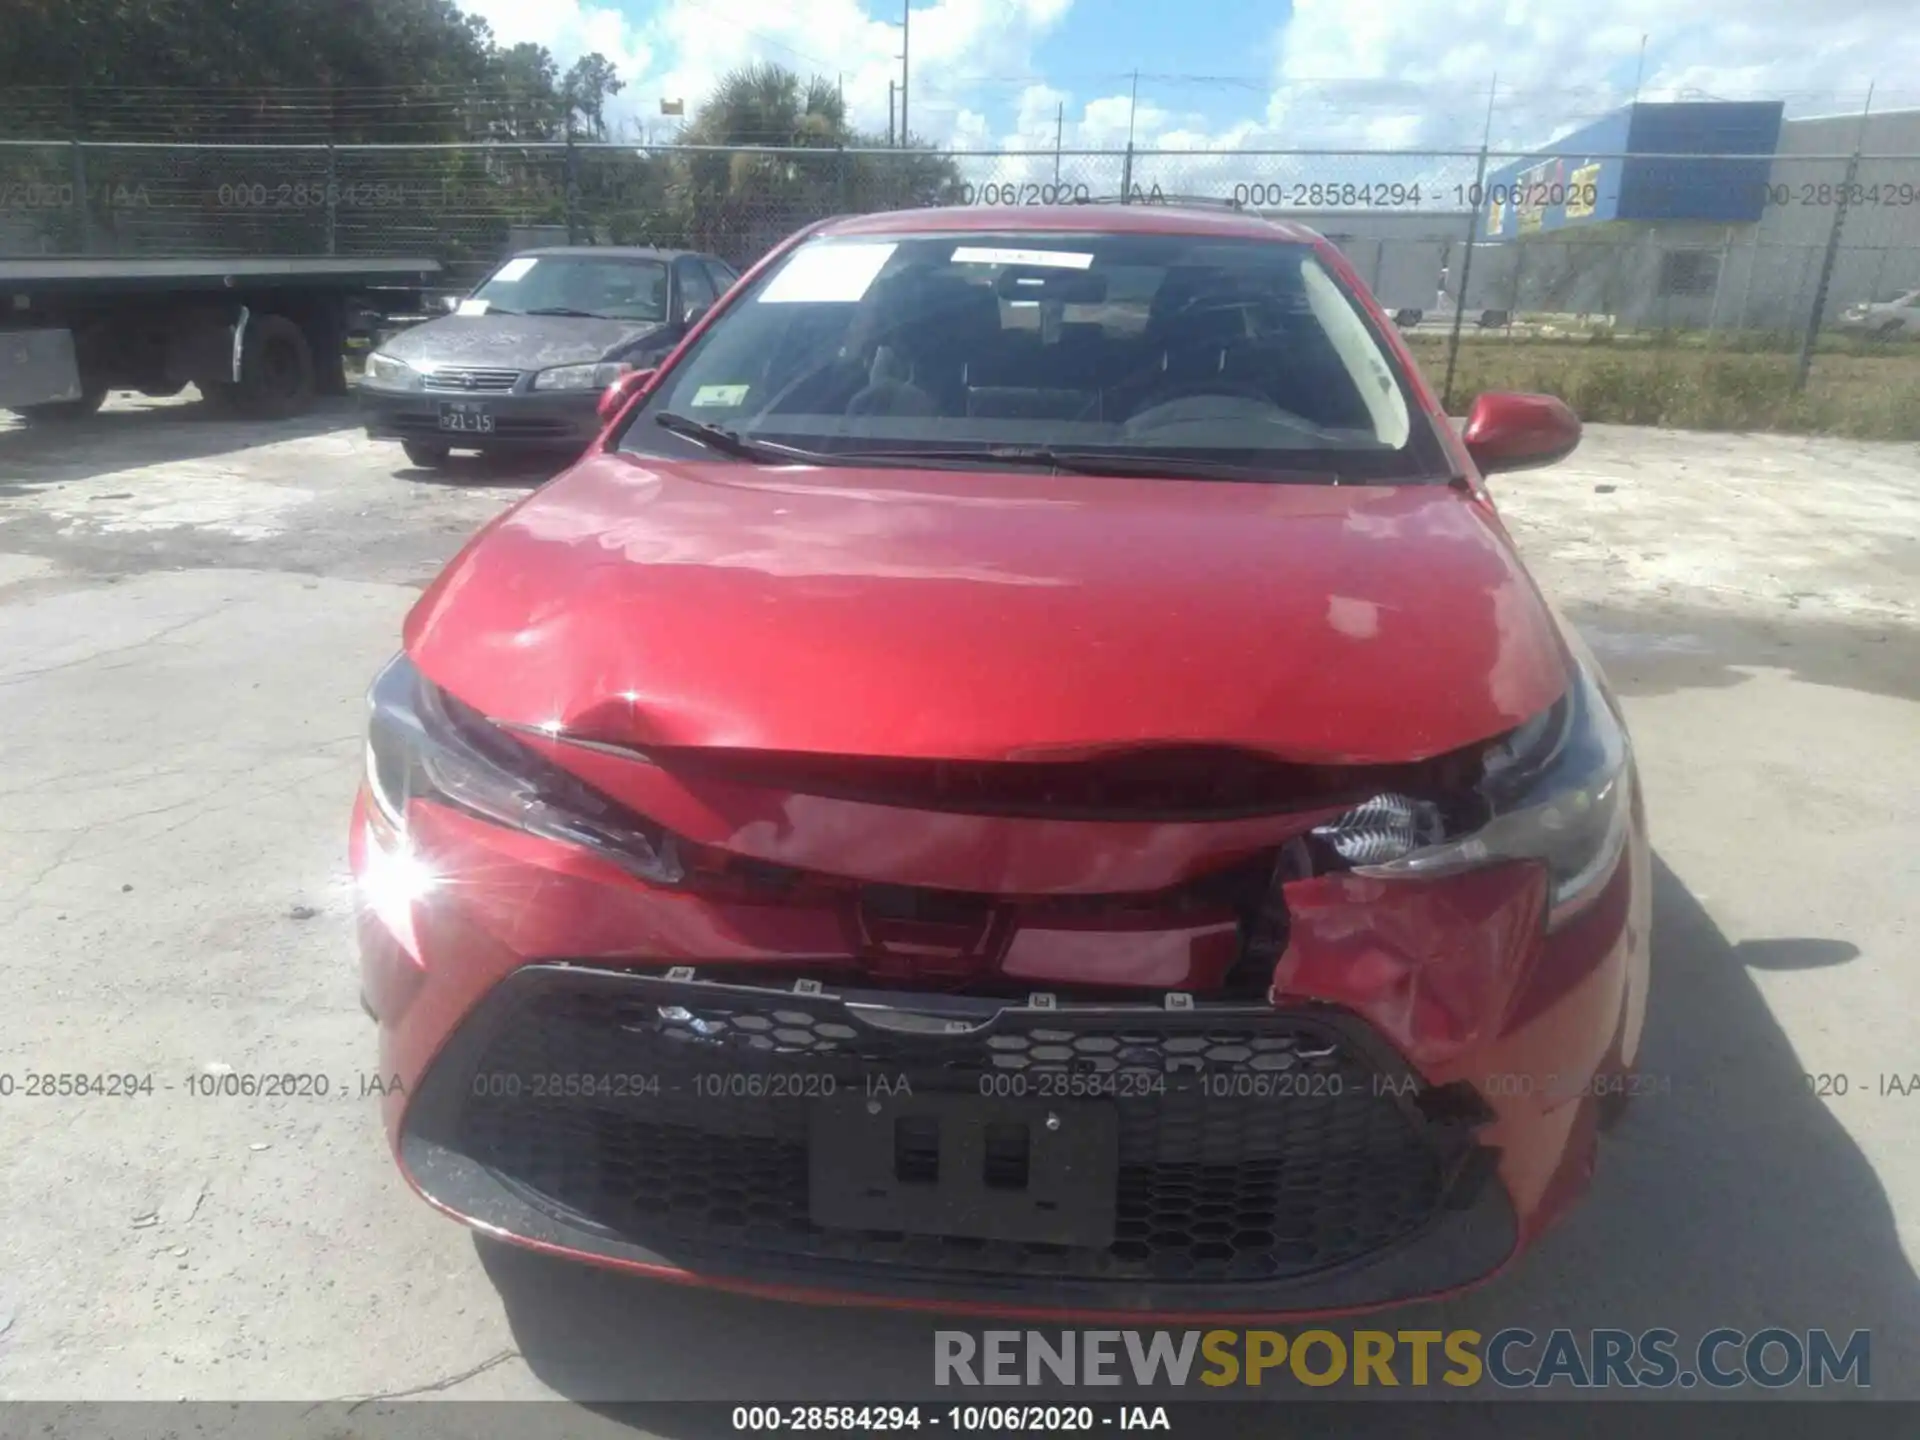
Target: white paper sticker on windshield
<point x="991" y="255"/>
<point x="825" y="273"/>
<point x="471" y="307"/>
<point x="720" y="394"/>
<point x="514" y="269"/>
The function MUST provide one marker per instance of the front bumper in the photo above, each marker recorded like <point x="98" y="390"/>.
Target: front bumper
<point x="523" y="1006"/>
<point x="531" y="419"/>
<point x="670" y="1123"/>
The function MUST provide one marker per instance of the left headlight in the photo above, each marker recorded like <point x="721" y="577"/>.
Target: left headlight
<point x="1554" y="791"/>
<point x="581" y="377"/>
<point x="422" y="743"/>
<point x="393" y="374"/>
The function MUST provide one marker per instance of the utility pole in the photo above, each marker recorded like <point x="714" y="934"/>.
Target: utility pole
<point x="1059" y="125"/>
<point x="1126" y="164"/>
<point x="892" y="86"/>
<point x="906" y="35"/>
<point x="1640" y="70"/>
<point x="1133" y="104"/>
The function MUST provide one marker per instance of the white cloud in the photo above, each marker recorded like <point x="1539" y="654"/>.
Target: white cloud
<point x="1372" y="74"/>
<point x="683" y="47"/>
<point x="570" y="29"/>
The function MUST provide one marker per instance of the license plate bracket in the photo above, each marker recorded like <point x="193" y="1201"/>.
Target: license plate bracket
<point x="466" y="417"/>
<point x="966" y="1166"/>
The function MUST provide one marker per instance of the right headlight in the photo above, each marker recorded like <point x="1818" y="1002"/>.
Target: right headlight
<point x="391" y="374"/>
<point x="1554" y="791"/>
<point x="581" y="377"/>
<point x="423" y="744"/>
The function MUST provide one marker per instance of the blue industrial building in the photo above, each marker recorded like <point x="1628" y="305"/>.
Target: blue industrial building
<point x="1636" y="165"/>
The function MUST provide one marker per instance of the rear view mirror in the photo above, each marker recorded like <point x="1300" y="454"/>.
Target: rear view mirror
<point x="1519" y="432"/>
<point x="614" y="398"/>
<point x="1059" y="287"/>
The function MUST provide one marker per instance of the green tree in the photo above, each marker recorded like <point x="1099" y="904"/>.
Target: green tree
<point x="764" y="178"/>
<point x="588" y="86"/>
<point x="523" y="95"/>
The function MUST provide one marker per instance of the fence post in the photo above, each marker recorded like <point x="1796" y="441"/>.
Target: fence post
<point x="333" y="174"/>
<point x="1746" y="280"/>
<point x="1804" y="365"/>
<point x="840" y="178"/>
<point x="83" y="205"/>
<point x="1518" y="280"/>
<point x="1719" y="280"/>
<point x="1126" y="176"/>
<point x="333" y="198"/>
<point x="573" y="187"/>
<point x="1466" y="274"/>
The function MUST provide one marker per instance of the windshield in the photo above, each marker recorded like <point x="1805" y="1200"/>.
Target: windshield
<point x="1168" y="346"/>
<point x="610" y="287"/>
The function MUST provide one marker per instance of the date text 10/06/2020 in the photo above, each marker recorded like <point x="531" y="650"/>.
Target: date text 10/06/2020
<point x="1122" y="1084"/>
<point x="1292" y="194"/>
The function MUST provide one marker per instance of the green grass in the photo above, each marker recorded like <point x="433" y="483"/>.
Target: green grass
<point x="1860" y="389"/>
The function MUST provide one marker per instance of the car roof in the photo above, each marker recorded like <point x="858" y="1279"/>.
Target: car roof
<point x="615" y="252"/>
<point x="1144" y="219"/>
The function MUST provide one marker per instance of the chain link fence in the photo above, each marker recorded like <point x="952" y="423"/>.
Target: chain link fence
<point x="1429" y="231"/>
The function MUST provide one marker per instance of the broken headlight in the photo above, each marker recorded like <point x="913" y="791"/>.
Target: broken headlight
<point x="1554" y="791"/>
<point x="423" y="744"/>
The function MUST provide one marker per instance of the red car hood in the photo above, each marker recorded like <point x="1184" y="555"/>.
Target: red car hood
<point x="965" y="615"/>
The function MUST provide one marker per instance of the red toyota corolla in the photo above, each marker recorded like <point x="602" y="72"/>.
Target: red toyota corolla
<point x="1022" y="774"/>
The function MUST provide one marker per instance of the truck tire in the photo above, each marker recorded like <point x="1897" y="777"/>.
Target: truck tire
<point x="57" y="411"/>
<point x="426" y="454"/>
<point x="276" y="369"/>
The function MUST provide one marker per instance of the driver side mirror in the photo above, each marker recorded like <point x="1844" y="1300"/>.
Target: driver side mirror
<point x="1509" y="431"/>
<point x="615" y="397"/>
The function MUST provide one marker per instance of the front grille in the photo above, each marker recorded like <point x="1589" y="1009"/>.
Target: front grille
<point x="1254" y="1145"/>
<point x="512" y="427"/>
<point x="464" y="381"/>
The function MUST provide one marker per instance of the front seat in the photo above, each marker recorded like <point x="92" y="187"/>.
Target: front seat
<point x="929" y="328"/>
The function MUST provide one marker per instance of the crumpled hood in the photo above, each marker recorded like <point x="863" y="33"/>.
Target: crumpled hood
<point x="518" y="342"/>
<point x="981" y="616"/>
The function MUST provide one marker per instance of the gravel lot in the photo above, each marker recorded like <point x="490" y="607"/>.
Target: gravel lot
<point x="190" y="610"/>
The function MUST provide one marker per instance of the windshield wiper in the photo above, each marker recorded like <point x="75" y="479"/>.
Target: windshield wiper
<point x="1152" y="464"/>
<point x="569" y="312"/>
<point x="1156" y="464"/>
<point x="732" y="442"/>
<point x="1181" y="467"/>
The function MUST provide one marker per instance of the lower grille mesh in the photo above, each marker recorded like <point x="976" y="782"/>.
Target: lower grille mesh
<point x="1254" y="1145"/>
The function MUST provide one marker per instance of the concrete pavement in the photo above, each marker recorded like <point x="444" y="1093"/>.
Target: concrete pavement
<point x="190" y="610"/>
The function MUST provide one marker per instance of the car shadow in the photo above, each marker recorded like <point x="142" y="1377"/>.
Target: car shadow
<point x="1663" y="648"/>
<point x="136" y="430"/>
<point x="1733" y="1198"/>
<point x="482" y="471"/>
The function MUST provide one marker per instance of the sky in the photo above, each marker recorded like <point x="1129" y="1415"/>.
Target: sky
<point x="1237" y="74"/>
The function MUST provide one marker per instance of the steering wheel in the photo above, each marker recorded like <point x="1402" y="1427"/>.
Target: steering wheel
<point x="1223" y="389"/>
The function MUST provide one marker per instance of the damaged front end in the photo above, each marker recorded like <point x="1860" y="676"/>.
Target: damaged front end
<point x="1172" y="1029"/>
